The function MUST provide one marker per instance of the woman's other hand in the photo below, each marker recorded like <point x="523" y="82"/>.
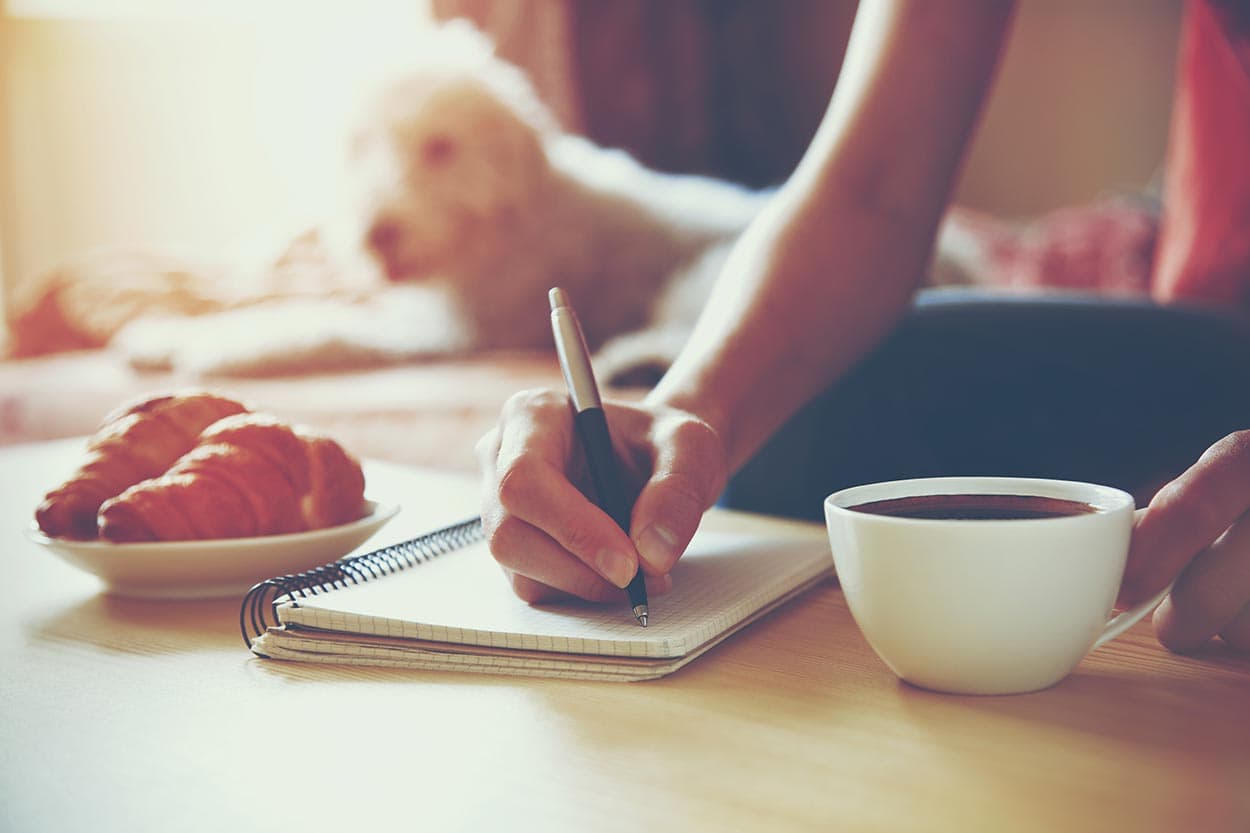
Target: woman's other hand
<point x="1197" y="528"/>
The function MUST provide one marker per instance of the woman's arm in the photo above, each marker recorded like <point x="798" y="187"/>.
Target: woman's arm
<point x="829" y="268"/>
<point x="814" y="283"/>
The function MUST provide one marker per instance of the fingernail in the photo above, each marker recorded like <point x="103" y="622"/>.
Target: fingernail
<point x="616" y="567"/>
<point x="658" y="547"/>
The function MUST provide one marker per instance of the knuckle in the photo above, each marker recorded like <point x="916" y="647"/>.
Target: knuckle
<point x="1169" y="629"/>
<point x="518" y="401"/>
<point x="578" y="540"/>
<point x="1237" y="443"/>
<point x="487" y="447"/>
<point x="534" y="400"/>
<point x="502" y="538"/>
<point x="680" y="493"/>
<point x="697" y="431"/>
<point x="1234" y="451"/>
<point x="696" y="435"/>
<point x="702" y="452"/>
<point x="1191" y="503"/>
<point x="515" y="482"/>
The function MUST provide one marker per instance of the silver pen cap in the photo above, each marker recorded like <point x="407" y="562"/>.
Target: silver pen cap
<point x="579" y="376"/>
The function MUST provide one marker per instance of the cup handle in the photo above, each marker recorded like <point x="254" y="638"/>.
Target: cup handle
<point x="1130" y="617"/>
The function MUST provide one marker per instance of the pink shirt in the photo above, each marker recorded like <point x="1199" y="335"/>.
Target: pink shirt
<point x="1204" y="245"/>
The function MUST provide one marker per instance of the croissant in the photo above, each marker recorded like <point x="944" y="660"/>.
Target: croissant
<point x="135" y="442"/>
<point x="249" y="475"/>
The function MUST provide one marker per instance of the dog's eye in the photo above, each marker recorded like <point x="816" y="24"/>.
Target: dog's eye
<point x="437" y="150"/>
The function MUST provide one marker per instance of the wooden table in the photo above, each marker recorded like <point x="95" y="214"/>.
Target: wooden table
<point x="130" y="715"/>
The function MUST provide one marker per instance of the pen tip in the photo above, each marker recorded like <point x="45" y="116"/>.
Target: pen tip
<point x="642" y="620"/>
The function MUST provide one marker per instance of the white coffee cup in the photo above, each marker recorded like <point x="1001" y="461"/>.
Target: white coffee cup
<point x="984" y="606"/>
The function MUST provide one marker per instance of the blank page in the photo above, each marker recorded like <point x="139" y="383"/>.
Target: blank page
<point x="736" y="566"/>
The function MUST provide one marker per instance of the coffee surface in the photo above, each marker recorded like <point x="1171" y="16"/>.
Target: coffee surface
<point x="976" y="507"/>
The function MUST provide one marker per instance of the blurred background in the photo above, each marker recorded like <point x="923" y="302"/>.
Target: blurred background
<point x="203" y="128"/>
<point x="188" y="126"/>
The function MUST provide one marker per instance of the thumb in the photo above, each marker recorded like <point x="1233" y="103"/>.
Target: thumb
<point x="688" y="476"/>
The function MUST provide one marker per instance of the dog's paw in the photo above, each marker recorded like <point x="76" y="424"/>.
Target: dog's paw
<point x="286" y="337"/>
<point x="151" y="343"/>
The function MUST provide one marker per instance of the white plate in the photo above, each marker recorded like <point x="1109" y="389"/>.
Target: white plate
<point x="207" y="569"/>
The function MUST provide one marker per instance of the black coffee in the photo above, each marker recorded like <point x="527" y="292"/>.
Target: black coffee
<point x="976" y="507"/>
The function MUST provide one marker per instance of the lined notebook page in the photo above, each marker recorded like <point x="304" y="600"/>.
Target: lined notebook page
<point x="736" y="566"/>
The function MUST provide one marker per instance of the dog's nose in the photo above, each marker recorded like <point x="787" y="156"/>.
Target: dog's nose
<point x="383" y="241"/>
<point x="383" y="238"/>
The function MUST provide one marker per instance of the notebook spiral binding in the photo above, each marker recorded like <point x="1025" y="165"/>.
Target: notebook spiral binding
<point x="261" y="602"/>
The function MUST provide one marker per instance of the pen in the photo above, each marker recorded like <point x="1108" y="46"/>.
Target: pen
<point x="592" y="429"/>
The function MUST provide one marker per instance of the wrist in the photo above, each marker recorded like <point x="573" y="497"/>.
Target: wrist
<point x="702" y="406"/>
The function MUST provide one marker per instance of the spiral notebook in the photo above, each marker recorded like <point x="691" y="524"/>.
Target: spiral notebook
<point x="440" y="602"/>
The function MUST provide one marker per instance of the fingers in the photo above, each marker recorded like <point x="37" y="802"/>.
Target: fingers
<point x="688" y="475"/>
<point x="535" y="592"/>
<point x="554" y="541"/>
<point x="538" y="494"/>
<point x="1210" y="595"/>
<point x="1198" y="527"/>
<point x="1187" y="515"/>
<point x="541" y="570"/>
<point x="539" y="525"/>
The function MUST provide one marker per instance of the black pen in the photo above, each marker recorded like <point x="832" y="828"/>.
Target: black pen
<point x="592" y="429"/>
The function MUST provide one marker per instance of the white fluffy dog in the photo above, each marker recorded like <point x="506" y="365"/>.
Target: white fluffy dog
<point x="463" y="203"/>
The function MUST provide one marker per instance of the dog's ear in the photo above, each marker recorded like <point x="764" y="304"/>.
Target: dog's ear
<point x="521" y="153"/>
<point x="495" y="170"/>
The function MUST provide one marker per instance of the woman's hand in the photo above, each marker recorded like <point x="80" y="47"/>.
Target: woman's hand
<point x="1198" y="526"/>
<point x="555" y="542"/>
